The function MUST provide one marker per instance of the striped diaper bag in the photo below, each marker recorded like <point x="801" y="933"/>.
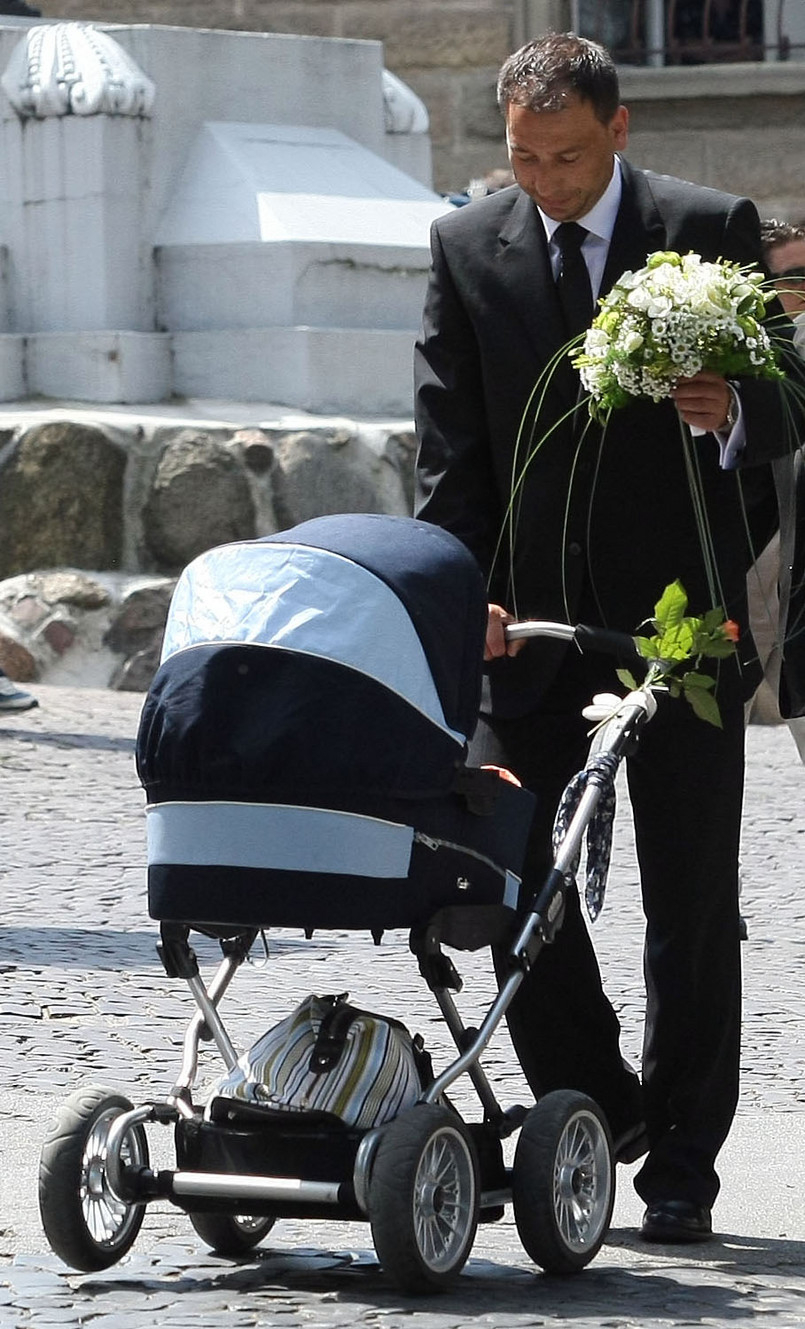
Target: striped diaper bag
<point x="328" y="1056"/>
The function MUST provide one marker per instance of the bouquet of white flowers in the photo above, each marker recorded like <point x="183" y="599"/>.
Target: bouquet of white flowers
<point x="676" y="316"/>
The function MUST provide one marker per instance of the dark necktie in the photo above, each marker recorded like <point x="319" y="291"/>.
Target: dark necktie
<point x="573" y="282"/>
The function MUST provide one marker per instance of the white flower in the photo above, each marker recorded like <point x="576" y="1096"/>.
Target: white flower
<point x="632" y="342"/>
<point x="639" y="297"/>
<point x="658" y="306"/>
<point x="743" y="291"/>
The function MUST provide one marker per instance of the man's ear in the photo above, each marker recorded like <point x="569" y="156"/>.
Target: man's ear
<point x="619" y="128"/>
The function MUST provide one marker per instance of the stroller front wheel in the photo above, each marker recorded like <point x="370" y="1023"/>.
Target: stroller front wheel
<point x="423" y="1198"/>
<point x="86" y="1224"/>
<point x="564" y="1182"/>
<point x="232" y="1234"/>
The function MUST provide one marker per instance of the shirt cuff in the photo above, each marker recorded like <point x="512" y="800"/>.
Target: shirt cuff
<point x="732" y="442"/>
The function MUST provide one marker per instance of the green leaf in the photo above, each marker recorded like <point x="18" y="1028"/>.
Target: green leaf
<point x="628" y="680"/>
<point x="648" y="646"/>
<point x="677" y="641"/>
<point x="705" y="706"/>
<point x="670" y="608"/>
<point x="692" y="680"/>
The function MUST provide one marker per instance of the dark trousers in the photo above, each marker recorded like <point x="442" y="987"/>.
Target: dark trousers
<point x="686" y="788"/>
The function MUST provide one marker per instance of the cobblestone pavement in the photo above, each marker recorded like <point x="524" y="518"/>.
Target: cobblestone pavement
<point x="83" y="998"/>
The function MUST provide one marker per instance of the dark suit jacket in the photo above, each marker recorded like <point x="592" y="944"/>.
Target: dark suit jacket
<point x="600" y="522"/>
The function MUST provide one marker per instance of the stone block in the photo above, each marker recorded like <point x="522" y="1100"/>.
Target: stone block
<point x="5" y="322"/>
<point x="16" y="660"/>
<point x="77" y="236"/>
<point x="330" y="371"/>
<point x="401" y="449"/>
<point x="70" y="588"/>
<point x="739" y="161"/>
<point x="312" y="20"/>
<point x="136" y="672"/>
<point x="100" y="366"/>
<point x="410" y="153"/>
<point x="423" y="37"/>
<point x="325" y="471"/>
<point x="478" y="111"/>
<point x="200" y="497"/>
<point x="438" y="94"/>
<point x="61" y="500"/>
<point x="59" y="635"/>
<point x="13" y="384"/>
<point x="29" y="612"/>
<point x="139" y="623"/>
<point x="670" y="153"/>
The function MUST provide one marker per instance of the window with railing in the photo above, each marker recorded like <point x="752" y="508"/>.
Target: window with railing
<point x="693" y="32"/>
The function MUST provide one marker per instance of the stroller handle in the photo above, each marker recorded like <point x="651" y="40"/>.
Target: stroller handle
<point x="603" y="640"/>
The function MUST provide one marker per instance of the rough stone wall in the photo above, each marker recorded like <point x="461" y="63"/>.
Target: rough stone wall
<point x="95" y="523"/>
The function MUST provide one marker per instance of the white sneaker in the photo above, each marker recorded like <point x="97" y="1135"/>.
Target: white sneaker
<point x="13" y="698"/>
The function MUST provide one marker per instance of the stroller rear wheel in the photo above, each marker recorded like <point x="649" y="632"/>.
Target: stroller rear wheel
<point x="87" y="1226"/>
<point x="423" y="1198"/>
<point x="564" y="1182"/>
<point x="232" y="1234"/>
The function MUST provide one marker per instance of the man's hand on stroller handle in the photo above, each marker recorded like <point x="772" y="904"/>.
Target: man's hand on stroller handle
<point x="497" y="639"/>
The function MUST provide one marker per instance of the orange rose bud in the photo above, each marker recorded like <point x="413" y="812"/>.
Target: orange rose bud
<point x="731" y="630"/>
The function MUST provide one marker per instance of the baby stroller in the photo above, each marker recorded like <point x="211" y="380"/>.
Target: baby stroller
<point x="302" y="748"/>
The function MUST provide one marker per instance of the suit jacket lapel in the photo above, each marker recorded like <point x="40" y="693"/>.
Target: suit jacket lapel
<point x="639" y="229"/>
<point x="526" y="267"/>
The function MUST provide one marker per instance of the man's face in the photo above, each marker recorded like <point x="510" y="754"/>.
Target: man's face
<point x="785" y="258"/>
<point x="563" y="159"/>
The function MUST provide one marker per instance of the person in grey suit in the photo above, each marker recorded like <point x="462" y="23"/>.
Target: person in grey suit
<point x="602" y="522"/>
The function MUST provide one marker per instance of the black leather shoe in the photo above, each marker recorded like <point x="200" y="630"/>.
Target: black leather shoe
<point x="676" y="1221"/>
<point x="631" y="1144"/>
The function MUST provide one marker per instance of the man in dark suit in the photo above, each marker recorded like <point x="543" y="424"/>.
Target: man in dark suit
<point x="600" y="523"/>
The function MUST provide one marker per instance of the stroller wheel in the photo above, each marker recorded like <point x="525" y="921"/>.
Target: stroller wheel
<point x="232" y="1234"/>
<point x="423" y="1198"/>
<point x="87" y="1226"/>
<point x="564" y="1182"/>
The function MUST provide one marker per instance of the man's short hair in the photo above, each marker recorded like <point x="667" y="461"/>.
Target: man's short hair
<point x="545" y="73"/>
<point x="774" y="233"/>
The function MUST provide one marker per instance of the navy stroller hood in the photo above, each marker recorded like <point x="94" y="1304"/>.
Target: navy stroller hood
<point x="344" y="653"/>
<point x="311" y="715"/>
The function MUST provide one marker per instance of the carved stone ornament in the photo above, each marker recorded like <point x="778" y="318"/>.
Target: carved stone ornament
<point x="74" y="69"/>
<point x="405" y="113"/>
